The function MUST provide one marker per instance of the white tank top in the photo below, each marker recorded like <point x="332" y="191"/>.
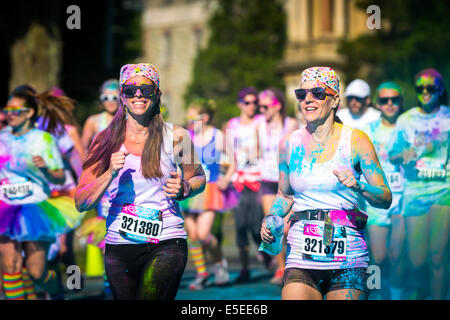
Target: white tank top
<point x="268" y="144"/>
<point x="245" y="142"/>
<point x="316" y="187"/>
<point x="131" y="187"/>
<point x="314" y="184"/>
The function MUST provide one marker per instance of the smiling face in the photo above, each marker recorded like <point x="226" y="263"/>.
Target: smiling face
<point x="390" y="109"/>
<point x="138" y="104"/>
<point x="21" y="113"/>
<point x="315" y="110"/>
<point x="429" y="92"/>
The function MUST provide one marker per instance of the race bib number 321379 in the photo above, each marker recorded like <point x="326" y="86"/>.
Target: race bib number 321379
<point x="313" y="247"/>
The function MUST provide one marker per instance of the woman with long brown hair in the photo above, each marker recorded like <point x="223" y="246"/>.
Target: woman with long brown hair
<point x="29" y="220"/>
<point x="145" y="165"/>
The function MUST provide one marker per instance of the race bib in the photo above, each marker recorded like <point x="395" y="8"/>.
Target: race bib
<point x="431" y="174"/>
<point x="395" y="180"/>
<point x="313" y="247"/>
<point x="140" y="224"/>
<point x="17" y="190"/>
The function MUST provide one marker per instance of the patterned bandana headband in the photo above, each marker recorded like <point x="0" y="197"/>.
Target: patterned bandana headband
<point x="324" y="75"/>
<point x="141" y="69"/>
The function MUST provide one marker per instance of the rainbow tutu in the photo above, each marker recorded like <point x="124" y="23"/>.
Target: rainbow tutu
<point x="211" y="199"/>
<point x="42" y="221"/>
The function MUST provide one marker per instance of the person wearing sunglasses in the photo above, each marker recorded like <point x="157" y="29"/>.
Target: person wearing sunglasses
<point x="420" y="146"/>
<point x="386" y="227"/>
<point x="358" y="112"/>
<point x="241" y="136"/>
<point x="320" y="166"/>
<point x="30" y="220"/>
<point x="146" y="166"/>
<point x="276" y="124"/>
<point x="109" y="99"/>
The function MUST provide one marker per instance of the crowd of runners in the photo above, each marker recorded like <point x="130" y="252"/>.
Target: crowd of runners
<point x="357" y="178"/>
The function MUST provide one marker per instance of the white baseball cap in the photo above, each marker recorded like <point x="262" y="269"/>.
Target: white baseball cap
<point x="358" y="88"/>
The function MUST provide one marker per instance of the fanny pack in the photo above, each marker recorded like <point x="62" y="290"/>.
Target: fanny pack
<point x="350" y="218"/>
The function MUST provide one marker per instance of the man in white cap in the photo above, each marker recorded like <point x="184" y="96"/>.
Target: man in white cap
<point x="358" y="113"/>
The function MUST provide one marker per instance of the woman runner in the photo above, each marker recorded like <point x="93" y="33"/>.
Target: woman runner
<point x="29" y="219"/>
<point x="135" y="160"/>
<point x="320" y="166"/>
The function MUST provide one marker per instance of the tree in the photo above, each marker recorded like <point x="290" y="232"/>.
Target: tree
<point x="246" y="44"/>
<point x="414" y="36"/>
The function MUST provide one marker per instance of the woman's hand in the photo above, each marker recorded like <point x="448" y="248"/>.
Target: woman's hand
<point x="39" y="162"/>
<point x="117" y="162"/>
<point x="265" y="233"/>
<point x="347" y="178"/>
<point x="173" y="188"/>
<point x="54" y="176"/>
<point x="409" y="155"/>
<point x="223" y="183"/>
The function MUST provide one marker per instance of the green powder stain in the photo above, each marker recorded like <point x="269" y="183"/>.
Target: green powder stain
<point x="149" y="288"/>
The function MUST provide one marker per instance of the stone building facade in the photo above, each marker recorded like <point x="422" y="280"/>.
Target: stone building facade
<point x="314" y="28"/>
<point x="173" y="31"/>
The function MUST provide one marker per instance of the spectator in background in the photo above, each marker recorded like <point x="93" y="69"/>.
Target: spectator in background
<point x="358" y="112"/>
<point x="109" y="93"/>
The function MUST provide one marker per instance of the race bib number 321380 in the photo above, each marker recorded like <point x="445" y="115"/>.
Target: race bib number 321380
<point x="140" y="224"/>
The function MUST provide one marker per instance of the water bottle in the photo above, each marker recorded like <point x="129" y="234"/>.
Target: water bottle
<point x="276" y="226"/>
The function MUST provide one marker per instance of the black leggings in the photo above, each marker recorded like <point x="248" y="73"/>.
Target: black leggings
<point x="146" y="271"/>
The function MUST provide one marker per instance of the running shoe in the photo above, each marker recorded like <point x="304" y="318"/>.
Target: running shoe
<point x="221" y="274"/>
<point x="278" y="277"/>
<point x="200" y="283"/>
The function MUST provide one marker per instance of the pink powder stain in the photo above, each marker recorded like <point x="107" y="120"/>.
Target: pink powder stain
<point x="4" y="159"/>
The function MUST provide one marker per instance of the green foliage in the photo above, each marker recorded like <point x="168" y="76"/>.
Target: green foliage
<point x="414" y="36"/>
<point x="246" y="44"/>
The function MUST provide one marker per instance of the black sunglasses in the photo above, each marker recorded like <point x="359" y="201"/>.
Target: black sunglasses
<point x="358" y="99"/>
<point x="255" y="102"/>
<point x="318" y="93"/>
<point x="430" y="89"/>
<point x="147" y="90"/>
<point x="395" y="100"/>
